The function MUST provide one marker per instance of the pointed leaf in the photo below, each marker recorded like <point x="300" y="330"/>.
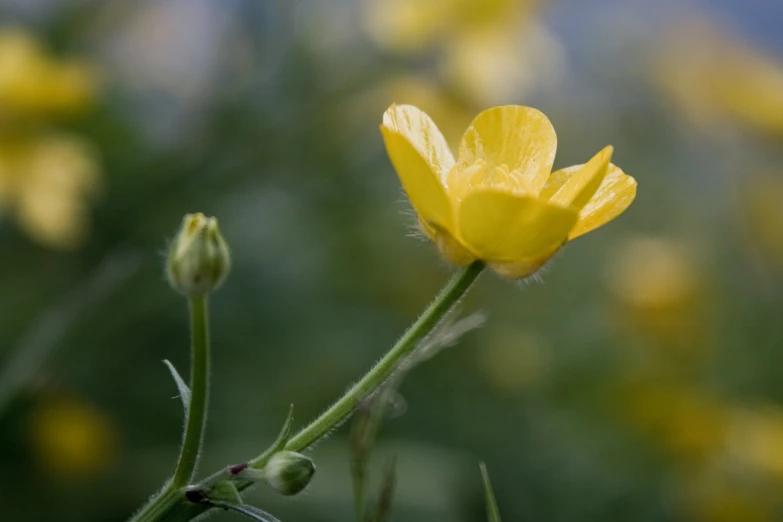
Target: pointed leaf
<point x="225" y="491"/>
<point x="184" y="391"/>
<point x="287" y="430"/>
<point x="250" y="512"/>
<point x="282" y="439"/>
<point x="493" y="515"/>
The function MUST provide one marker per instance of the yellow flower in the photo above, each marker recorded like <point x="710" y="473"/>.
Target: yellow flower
<point x="490" y="50"/>
<point x="32" y="83"/>
<point x="412" y="25"/>
<point x="762" y="215"/>
<point x="513" y="361"/>
<point x="712" y="496"/>
<point x="667" y="304"/>
<point x="72" y="439"/>
<point x="717" y="78"/>
<point x="496" y="64"/>
<point x="45" y="178"/>
<point x="47" y="181"/>
<point x="686" y="422"/>
<point x="757" y="439"/>
<point x="500" y="202"/>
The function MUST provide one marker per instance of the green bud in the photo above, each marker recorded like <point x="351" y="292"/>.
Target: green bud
<point x="199" y="259"/>
<point x="289" y="472"/>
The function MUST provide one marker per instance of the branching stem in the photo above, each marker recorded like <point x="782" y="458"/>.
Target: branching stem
<point x="171" y="504"/>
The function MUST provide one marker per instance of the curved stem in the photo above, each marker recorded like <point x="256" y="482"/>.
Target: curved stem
<point x="445" y="301"/>
<point x="199" y="393"/>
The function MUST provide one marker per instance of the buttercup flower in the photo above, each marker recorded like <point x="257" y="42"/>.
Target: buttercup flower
<point x="489" y="50"/>
<point x="32" y="83"/>
<point x="718" y="79"/>
<point x="72" y="439"/>
<point x="500" y="202"/>
<point x="47" y="178"/>
<point x="667" y="305"/>
<point x="757" y="439"/>
<point x="48" y="182"/>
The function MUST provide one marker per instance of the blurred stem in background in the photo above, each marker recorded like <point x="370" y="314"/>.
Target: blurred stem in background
<point x="172" y="504"/>
<point x="45" y="335"/>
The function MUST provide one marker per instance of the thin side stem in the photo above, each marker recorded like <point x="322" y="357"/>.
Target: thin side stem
<point x="199" y="389"/>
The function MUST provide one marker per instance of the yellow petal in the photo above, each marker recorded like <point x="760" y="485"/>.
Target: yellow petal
<point x="500" y="227"/>
<point x="449" y="247"/>
<point x="584" y="182"/>
<point x="422" y="159"/>
<point x="615" y="194"/>
<point x="521" y="138"/>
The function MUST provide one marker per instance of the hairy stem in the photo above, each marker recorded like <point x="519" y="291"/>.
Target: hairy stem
<point x="177" y="508"/>
<point x="445" y="301"/>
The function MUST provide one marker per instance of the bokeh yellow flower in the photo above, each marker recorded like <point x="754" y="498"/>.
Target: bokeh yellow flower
<point x="512" y="360"/>
<point x="500" y="202"/>
<point x="717" y="79"/>
<point x="684" y="421"/>
<point x="72" y="439"/>
<point x="493" y="65"/>
<point x="46" y="177"/>
<point x="408" y="26"/>
<point x="714" y="497"/>
<point x="32" y="83"/>
<point x="659" y="292"/>
<point x="491" y="50"/>
<point x="47" y="180"/>
<point x="757" y="439"/>
<point x="762" y="214"/>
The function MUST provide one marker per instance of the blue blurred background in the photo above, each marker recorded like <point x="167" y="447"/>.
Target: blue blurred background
<point x="640" y="378"/>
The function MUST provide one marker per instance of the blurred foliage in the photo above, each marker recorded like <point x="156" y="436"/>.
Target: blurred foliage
<point x="640" y="382"/>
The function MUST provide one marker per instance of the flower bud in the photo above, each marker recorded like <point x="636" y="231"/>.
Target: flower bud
<point x="199" y="259"/>
<point x="289" y="472"/>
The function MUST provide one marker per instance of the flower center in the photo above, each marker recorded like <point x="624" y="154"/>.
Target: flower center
<point x="480" y="175"/>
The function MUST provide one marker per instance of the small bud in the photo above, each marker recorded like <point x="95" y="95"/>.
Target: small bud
<point x="199" y="259"/>
<point x="289" y="472"/>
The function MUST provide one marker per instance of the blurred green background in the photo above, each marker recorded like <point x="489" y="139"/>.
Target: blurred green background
<point x="639" y="378"/>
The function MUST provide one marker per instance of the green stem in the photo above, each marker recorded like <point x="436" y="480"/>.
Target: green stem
<point x="160" y="506"/>
<point x="199" y="393"/>
<point x="177" y="509"/>
<point x="445" y="301"/>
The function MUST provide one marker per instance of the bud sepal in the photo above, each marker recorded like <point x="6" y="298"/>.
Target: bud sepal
<point x="287" y="472"/>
